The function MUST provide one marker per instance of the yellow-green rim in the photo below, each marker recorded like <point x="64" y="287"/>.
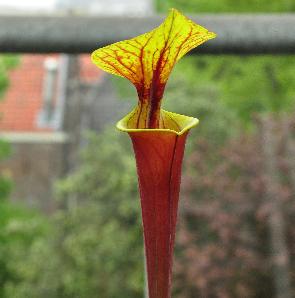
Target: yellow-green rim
<point x="194" y="122"/>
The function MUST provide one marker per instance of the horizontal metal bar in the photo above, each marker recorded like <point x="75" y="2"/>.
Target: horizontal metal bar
<point x="237" y="34"/>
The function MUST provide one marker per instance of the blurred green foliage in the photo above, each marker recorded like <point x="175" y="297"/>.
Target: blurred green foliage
<point x="19" y="227"/>
<point x="93" y="247"/>
<point x="6" y="62"/>
<point x="5" y="181"/>
<point x="226" y="92"/>
<point x="224" y="6"/>
<point x="235" y="87"/>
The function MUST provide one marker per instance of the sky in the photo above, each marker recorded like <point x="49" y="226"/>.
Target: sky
<point x="28" y="4"/>
<point x="107" y="7"/>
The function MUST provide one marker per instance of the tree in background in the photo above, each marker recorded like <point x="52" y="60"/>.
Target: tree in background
<point x="248" y="86"/>
<point x="224" y="241"/>
<point x="5" y="186"/>
<point x="5" y="183"/>
<point x="19" y="227"/>
<point x="226" y="6"/>
<point x="95" y="246"/>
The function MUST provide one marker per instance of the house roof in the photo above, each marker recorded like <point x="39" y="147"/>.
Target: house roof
<point x="22" y="101"/>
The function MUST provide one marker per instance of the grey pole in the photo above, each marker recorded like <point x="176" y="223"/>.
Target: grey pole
<point x="237" y="34"/>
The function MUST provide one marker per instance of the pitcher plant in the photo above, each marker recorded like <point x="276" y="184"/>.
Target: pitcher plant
<point x="158" y="136"/>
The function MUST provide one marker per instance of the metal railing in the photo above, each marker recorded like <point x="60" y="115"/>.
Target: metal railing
<point x="237" y="34"/>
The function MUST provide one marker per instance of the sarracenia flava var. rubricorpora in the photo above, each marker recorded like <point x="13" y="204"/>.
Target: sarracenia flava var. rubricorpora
<point x="158" y="136"/>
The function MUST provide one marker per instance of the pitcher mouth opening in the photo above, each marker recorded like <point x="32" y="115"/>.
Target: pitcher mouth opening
<point x="172" y="122"/>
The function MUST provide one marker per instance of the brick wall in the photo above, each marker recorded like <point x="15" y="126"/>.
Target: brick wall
<point x="23" y="99"/>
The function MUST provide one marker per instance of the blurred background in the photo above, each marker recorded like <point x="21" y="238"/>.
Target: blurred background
<point x="70" y="223"/>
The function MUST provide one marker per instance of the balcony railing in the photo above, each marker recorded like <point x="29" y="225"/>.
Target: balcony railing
<point x="237" y="34"/>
